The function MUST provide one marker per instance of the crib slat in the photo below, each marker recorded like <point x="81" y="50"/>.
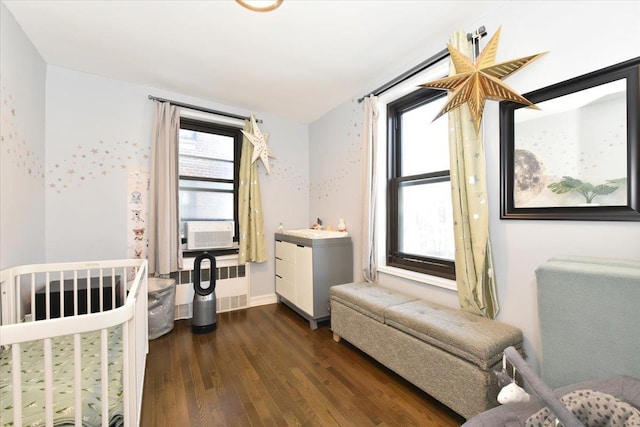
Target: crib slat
<point x="113" y="291"/>
<point x="33" y="297"/>
<point x="113" y="285"/>
<point x="88" y="288"/>
<point x="75" y="296"/>
<point x="47" y="297"/>
<point x="77" y="377"/>
<point x="62" y="292"/>
<point x="61" y="279"/>
<point x="48" y="280"/>
<point x="17" y="302"/>
<point x="48" y="383"/>
<point x="100" y="287"/>
<point x="104" y="377"/>
<point x="123" y="285"/>
<point x="126" y="369"/>
<point x="16" y="370"/>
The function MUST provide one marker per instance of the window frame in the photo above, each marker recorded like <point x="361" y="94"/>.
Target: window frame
<point x="234" y="132"/>
<point x="395" y="258"/>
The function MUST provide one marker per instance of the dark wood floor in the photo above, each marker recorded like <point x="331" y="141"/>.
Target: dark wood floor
<point x="264" y="366"/>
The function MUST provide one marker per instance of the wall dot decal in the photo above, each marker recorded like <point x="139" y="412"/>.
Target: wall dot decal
<point x="19" y="153"/>
<point x="91" y="160"/>
<point x="348" y="162"/>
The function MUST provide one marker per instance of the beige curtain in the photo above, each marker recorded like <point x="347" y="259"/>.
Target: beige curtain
<point x="474" y="264"/>
<point x="253" y="246"/>
<point x="369" y="178"/>
<point x="165" y="253"/>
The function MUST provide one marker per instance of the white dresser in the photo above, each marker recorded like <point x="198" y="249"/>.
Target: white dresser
<point x="305" y="270"/>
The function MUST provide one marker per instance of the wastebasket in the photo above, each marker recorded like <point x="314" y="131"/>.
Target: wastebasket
<point x="161" y="303"/>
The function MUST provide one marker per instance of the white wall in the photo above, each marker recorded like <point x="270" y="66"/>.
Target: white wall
<point x="22" y="147"/>
<point x="335" y="171"/>
<point x="97" y="128"/>
<point x="285" y="192"/>
<point x="579" y="40"/>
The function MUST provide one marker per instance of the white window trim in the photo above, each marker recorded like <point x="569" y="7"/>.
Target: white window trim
<point x="439" y="70"/>
<point x="221" y="261"/>
<point x="426" y="279"/>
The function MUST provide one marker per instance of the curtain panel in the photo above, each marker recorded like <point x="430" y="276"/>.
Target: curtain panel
<point x="165" y="252"/>
<point x="369" y="189"/>
<point x="474" y="264"/>
<point x="252" y="242"/>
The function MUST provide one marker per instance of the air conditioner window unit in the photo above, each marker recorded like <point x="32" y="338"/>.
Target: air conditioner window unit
<point x="209" y="234"/>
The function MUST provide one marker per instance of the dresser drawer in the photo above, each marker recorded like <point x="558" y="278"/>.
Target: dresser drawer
<point x="286" y="270"/>
<point x="286" y="289"/>
<point x="286" y="251"/>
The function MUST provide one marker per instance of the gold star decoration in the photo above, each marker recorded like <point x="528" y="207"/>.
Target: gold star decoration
<point x="474" y="83"/>
<point x="260" y="147"/>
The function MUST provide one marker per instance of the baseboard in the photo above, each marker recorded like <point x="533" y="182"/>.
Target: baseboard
<point x="263" y="300"/>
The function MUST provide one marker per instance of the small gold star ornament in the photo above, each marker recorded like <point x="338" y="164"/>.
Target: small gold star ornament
<point x="260" y="147"/>
<point x="476" y="82"/>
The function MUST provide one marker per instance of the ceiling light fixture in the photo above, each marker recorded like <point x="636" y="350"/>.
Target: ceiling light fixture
<point x="260" y="5"/>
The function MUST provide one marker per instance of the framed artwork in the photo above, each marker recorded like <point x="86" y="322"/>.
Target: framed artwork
<point x="577" y="157"/>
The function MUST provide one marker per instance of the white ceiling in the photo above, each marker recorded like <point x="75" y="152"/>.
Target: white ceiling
<point x="297" y="62"/>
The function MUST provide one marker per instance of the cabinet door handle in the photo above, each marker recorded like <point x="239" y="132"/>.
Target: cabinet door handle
<point x="300" y="246"/>
<point x="279" y="258"/>
<point x="278" y="276"/>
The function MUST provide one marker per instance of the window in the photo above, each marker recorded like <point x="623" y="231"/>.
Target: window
<point x="419" y="209"/>
<point x="208" y="168"/>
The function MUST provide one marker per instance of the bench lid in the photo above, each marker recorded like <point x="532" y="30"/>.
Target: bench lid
<point x="368" y="299"/>
<point x="469" y="336"/>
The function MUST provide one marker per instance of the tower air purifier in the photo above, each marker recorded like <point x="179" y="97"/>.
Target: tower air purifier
<point x="204" y="298"/>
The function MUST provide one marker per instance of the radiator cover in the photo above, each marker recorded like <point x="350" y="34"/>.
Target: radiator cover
<point x="232" y="286"/>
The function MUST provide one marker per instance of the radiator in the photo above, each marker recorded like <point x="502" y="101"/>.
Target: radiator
<point x="232" y="285"/>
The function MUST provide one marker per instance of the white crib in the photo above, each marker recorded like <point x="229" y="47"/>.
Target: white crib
<point x="73" y="343"/>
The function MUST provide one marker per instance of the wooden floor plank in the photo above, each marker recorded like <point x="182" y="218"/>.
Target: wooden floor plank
<point x="264" y="366"/>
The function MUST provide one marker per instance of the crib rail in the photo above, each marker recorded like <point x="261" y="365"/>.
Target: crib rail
<point x="47" y="301"/>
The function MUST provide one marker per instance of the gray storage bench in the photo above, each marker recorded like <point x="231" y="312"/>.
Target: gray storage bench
<point x="448" y="353"/>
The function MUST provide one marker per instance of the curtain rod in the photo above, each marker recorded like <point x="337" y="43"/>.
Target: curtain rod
<point x="409" y="73"/>
<point x="204" y="110"/>
<point x="473" y="37"/>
